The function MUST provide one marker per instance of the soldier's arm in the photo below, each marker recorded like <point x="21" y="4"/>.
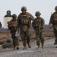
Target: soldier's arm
<point x="31" y="17"/>
<point x="18" y="22"/>
<point x="51" y="19"/>
<point x="33" y="24"/>
<point x="43" y="23"/>
<point x="9" y="25"/>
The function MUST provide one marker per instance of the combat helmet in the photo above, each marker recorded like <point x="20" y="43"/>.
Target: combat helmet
<point x="23" y="8"/>
<point x="8" y="12"/>
<point x="14" y="16"/>
<point x="37" y="13"/>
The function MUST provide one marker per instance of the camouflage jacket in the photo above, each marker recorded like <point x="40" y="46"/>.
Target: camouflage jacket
<point x="53" y="19"/>
<point x="24" y="20"/>
<point x="38" y="23"/>
<point x="12" y="25"/>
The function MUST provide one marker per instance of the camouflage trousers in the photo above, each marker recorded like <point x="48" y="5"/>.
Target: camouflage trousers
<point x="15" y="40"/>
<point x="39" y="39"/>
<point x="25" y="38"/>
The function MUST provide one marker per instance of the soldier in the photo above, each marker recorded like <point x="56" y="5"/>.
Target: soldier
<point x="24" y="22"/>
<point x="38" y="24"/>
<point x="12" y="25"/>
<point x="53" y="21"/>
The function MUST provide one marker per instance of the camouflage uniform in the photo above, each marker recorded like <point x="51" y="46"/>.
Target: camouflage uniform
<point x="12" y="25"/>
<point x="53" y="21"/>
<point x="24" y="22"/>
<point x="38" y="24"/>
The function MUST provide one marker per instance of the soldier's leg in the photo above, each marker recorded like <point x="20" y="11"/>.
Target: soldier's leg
<point x="23" y="39"/>
<point x="14" y="38"/>
<point x="12" y="35"/>
<point x="42" y="39"/>
<point x="17" y="42"/>
<point x="42" y="42"/>
<point x="24" y="42"/>
<point x="55" y="33"/>
<point x="28" y="39"/>
<point x="37" y="40"/>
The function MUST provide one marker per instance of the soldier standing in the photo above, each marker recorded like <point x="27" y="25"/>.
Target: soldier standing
<point x="12" y="25"/>
<point x="53" y="21"/>
<point x="24" y="22"/>
<point x="38" y="24"/>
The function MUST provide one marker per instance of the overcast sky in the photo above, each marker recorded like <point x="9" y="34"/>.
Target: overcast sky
<point x="46" y="7"/>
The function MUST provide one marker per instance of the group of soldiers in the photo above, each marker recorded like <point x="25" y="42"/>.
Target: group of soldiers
<point x="23" y="23"/>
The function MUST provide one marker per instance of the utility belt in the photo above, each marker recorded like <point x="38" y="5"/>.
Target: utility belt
<point x="24" y="27"/>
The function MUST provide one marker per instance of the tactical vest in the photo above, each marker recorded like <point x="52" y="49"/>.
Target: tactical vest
<point x="12" y="25"/>
<point x="37" y="24"/>
<point x="25" y="22"/>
